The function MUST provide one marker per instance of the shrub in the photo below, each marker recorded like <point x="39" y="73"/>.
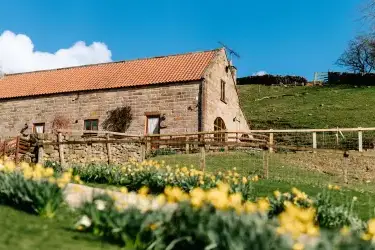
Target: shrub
<point x="272" y="80"/>
<point x="352" y="79"/>
<point x="162" y="151"/>
<point x="118" y="120"/>
<point x="60" y="122"/>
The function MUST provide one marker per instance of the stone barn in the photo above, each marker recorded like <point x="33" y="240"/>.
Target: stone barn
<point x="170" y="94"/>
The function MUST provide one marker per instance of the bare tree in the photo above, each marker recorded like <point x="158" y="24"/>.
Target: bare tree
<point x="368" y="10"/>
<point x="359" y="56"/>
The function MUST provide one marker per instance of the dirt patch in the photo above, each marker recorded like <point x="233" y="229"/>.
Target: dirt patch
<point x="360" y="168"/>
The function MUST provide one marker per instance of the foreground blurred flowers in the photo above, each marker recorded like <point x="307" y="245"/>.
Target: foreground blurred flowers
<point x="33" y="188"/>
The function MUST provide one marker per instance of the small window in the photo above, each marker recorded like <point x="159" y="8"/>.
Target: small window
<point x="39" y="128"/>
<point x="222" y="97"/>
<point x="91" y="124"/>
<point x="153" y="125"/>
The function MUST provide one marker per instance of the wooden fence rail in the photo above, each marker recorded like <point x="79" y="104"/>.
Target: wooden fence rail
<point x="265" y="138"/>
<point x="14" y="148"/>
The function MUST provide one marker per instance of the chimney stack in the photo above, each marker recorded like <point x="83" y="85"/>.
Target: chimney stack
<point x="2" y="74"/>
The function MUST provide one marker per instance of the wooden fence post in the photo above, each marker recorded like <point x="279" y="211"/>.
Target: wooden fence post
<point x="315" y="145"/>
<point x="5" y="150"/>
<point x="143" y="151"/>
<point x="360" y="140"/>
<point x="148" y="145"/>
<point x="61" y="150"/>
<point x="203" y="158"/>
<point x="187" y="146"/>
<point x="226" y="149"/>
<point x="40" y="159"/>
<point x="345" y="168"/>
<point x="17" y="153"/>
<point x="265" y="164"/>
<point x="270" y="142"/>
<point x="109" y="153"/>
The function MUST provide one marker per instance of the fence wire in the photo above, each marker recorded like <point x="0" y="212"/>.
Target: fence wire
<point x="292" y="159"/>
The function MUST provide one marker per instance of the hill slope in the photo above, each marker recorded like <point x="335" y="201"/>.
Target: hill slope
<point x="307" y="107"/>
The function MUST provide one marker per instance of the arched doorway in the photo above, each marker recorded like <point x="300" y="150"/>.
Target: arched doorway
<point x="219" y="125"/>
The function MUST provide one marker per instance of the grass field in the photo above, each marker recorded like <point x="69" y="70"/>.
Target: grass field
<point x="268" y="107"/>
<point x="284" y="175"/>
<point x="20" y="230"/>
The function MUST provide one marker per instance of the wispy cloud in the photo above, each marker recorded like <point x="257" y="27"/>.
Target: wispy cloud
<point x="17" y="54"/>
<point x="260" y="73"/>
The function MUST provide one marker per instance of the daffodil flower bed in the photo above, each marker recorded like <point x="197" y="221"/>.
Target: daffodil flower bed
<point x="34" y="189"/>
<point x="213" y="218"/>
<point x="216" y="219"/>
<point x="157" y="175"/>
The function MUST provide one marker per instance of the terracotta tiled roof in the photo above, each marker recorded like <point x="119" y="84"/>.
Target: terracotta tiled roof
<point x="174" y="68"/>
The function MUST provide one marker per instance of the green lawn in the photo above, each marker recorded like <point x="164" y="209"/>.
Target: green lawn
<point x="307" y="107"/>
<point x="19" y="230"/>
<point x="283" y="176"/>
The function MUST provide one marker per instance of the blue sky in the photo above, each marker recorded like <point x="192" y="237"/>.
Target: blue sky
<point x="295" y="37"/>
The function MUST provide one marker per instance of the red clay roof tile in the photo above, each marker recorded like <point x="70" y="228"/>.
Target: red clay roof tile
<point x="174" y="68"/>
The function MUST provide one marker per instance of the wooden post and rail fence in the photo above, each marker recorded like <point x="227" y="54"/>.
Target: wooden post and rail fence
<point x="266" y="140"/>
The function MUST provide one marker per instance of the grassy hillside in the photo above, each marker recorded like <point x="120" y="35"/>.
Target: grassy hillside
<point x="307" y="107"/>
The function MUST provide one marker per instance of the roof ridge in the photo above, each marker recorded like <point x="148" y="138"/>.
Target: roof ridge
<point x="112" y="62"/>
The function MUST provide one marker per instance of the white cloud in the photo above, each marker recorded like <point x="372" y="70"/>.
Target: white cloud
<point x="17" y="54"/>
<point x="260" y="73"/>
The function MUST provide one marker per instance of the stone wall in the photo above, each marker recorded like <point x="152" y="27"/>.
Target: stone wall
<point x="177" y="101"/>
<point x="86" y="152"/>
<point x="213" y="106"/>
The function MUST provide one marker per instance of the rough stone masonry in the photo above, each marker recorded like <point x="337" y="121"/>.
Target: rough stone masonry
<point x="86" y="152"/>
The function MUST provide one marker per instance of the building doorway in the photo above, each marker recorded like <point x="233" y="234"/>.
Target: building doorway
<point x="219" y="125"/>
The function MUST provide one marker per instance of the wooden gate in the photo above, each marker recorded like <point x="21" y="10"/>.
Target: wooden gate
<point x="14" y="148"/>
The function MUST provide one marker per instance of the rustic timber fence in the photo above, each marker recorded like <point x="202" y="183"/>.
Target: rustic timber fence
<point x="323" y="150"/>
<point x="357" y="139"/>
<point x="341" y="139"/>
<point x="14" y="148"/>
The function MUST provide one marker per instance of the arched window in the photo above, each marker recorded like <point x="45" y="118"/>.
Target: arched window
<point x="219" y="125"/>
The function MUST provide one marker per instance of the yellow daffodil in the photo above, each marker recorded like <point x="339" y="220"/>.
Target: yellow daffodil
<point x="143" y="191"/>
<point x="197" y="197"/>
<point x="277" y="194"/>
<point x="250" y="207"/>
<point x="345" y="230"/>
<point x="298" y="246"/>
<point x="263" y="205"/>
<point x="124" y="190"/>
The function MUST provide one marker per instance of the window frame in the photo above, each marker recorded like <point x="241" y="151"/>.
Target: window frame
<point x="91" y="124"/>
<point x="39" y="124"/>
<point x="222" y="91"/>
<point x="151" y="115"/>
